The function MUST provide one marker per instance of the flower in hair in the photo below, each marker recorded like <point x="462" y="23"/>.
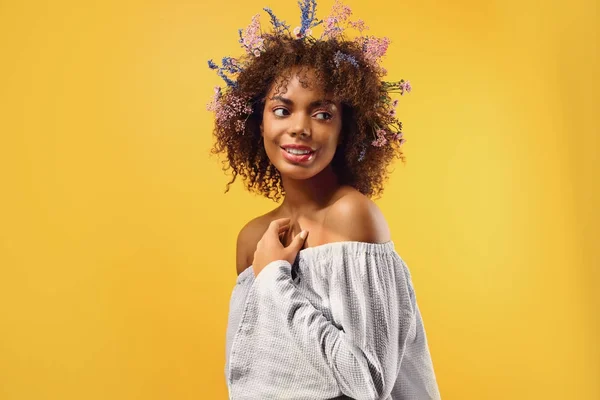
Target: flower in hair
<point x="374" y="49"/>
<point x="232" y="111"/>
<point x="230" y="107"/>
<point x="212" y="106"/>
<point x="298" y="32"/>
<point x="398" y="137"/>
<point x="340" y="57"/>
<point x="381" y="140"/>
<point x="251" y="39"/>
<point x="404" y="87"/>
<point x="338" y="19"/>
<point x="308" y="18"/>
<point x="278" y="25"/>
<point x="363" y="153"/>
<point x="359" y="25"/>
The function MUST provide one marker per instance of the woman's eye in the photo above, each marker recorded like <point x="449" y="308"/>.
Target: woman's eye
<point x="323" y="115"/>
<point x="280" y="112"/>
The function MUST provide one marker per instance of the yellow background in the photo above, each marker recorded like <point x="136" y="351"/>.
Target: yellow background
<point x="117" y="243"/>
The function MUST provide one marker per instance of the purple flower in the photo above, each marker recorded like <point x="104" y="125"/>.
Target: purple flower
<point x="307" y="18"/>
<point x="362" y="154"/>
<point x="339" y="57"/>
<point x="278" y="25"/>
<point x="231" y="65"/>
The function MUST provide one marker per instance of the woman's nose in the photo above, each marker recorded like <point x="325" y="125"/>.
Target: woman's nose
<point x="300" y="125"/>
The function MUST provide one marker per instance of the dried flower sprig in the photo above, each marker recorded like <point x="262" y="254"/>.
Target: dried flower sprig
<point x="278" y="25"/>
<point x="221" y="71"/>
<point x="340" y="57"/>
<point x="228" y="107"/>
<point x="251" y="39"/>
<point x="400" y="86"/>
<point x="308" y="19"/>
<point x="338" y="20"/>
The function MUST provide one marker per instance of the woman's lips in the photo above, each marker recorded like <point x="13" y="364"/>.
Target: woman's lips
<point x="298" y="158"/>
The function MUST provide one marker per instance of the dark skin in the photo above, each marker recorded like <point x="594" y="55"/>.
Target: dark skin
<point x="314" y="201"/>
<point x="308" y="117"/>
<point x="270" y="248"/>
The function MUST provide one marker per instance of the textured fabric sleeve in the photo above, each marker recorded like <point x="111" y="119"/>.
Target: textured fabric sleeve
<point x="372" y="315"/>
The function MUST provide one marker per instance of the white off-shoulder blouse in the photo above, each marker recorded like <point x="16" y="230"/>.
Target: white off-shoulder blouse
<point x="341" y="322"/>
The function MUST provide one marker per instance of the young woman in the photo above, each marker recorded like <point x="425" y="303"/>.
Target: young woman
<point x="323" y="306"/>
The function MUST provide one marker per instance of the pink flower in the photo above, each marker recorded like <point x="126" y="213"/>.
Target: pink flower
<point x="299" y="35"/>
<point x="331" y="29"/>
<point x="231" y="107"/>
<point x="397" y="136"/>
<point x="338" y="16"/>
<point x="392" y="110"/>
<point x="240" y="126"/>
<point x="381" y="140"/>
<point x="359" y="25"/>
<point x="251" y="38"/>
<point x="405" y="87"/>
<point x="214" y="104"/>
<point x="340" y="11"/>
<point x="375" y="48"/>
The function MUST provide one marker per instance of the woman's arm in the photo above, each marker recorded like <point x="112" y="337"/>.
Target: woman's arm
<point x="376" y="317"/>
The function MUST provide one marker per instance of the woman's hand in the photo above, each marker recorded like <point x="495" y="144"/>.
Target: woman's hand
<point x="269" y="247"/>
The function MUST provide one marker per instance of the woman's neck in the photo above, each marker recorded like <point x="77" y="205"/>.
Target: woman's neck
<point x="304" y="196"/>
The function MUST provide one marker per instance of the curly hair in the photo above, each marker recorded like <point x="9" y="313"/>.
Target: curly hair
<point x="352" y="80"/>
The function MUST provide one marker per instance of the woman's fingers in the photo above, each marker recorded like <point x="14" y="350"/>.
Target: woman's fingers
<point x="280" y="221"/>
<point x="278" y="225"/>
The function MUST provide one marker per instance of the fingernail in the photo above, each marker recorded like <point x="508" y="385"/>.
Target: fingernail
<point x="303" y="234"/>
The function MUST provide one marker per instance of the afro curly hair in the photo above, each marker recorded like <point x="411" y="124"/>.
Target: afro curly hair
<point x="341" y="69"/>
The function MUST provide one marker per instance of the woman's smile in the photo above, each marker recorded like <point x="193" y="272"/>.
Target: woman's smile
<point x="298" y="156"/>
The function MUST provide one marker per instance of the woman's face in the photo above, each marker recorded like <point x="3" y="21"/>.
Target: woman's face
<point x="305" y="117"/>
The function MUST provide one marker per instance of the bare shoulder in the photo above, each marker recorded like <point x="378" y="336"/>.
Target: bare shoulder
<point x="247" y="239"/>
<point x="355" y="217"/>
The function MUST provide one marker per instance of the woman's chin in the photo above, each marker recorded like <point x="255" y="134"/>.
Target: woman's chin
<point x="300" y="170"/>
<point x="297" y="172"/>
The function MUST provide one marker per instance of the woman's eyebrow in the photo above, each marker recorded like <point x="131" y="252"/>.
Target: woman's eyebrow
<point x="314" y="104"/>
<point x="321" y="103"/>
<point x="282" y="99"/>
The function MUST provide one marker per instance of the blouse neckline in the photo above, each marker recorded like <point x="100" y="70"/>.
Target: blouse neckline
<point x="349" y="245"/>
